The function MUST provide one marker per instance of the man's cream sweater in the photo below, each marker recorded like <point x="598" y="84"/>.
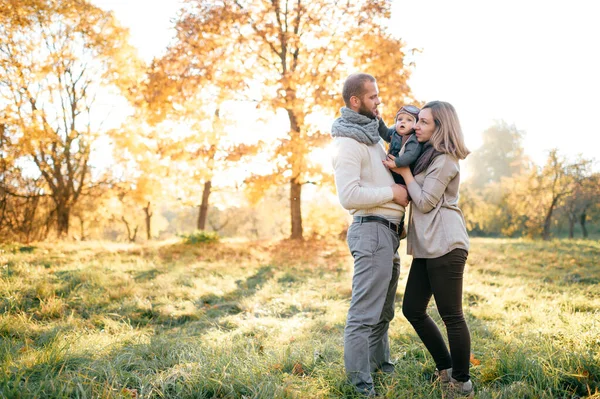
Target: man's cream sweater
<point x="363" y="182"/>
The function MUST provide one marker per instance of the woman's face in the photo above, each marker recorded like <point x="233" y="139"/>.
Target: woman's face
<point x="425" y="126"/>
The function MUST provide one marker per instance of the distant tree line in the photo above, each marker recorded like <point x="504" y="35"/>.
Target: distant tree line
<point x="508" y="195"/>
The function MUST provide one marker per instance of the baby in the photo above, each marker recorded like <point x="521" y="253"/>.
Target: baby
<point x="404" y="147"/>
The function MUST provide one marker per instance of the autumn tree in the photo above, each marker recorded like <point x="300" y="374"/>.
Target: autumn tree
<point x="500" y="155"/>
<point x="208" y="152"/>
<point x="23" y="206"/>
<point x="142" y="179"/>
<point x="588" y="198"/>
<point x="560" y="179"/>
<point x="585" y="196"/>
<point x="89" y="219"/>
<point x="192" y="89"/>
<point x="55" y="56"/>
<point x="372" y="54"/>
<point x="485" y="197"/>
<point x="293" y="56"/>
<point x="485" y="210"/>
<point x="536" y="194"/>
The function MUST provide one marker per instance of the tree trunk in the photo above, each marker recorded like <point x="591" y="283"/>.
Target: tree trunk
<point x="130" y="236"/>
<point x="148" y="220"/>
<point x="295" y="186"/>
<point x="81" y="227"/>
<point x="202" y="214"/>
<point x="546" y="231"/>
<point x="582" y="219"/>
<point x="548" y="220"/>
<point x="572" y="219"/>
<point x="296" y="210"/>
<point x="28" y="223"/>
<point x="63" y="214"/>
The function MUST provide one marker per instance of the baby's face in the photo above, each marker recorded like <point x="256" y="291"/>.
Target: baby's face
<point x="405" y="124"/>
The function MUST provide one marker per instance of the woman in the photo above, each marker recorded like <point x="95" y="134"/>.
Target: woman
<point x="438" y="241"/>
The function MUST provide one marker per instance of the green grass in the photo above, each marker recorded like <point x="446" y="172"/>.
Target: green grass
<point x="266" y="319"/>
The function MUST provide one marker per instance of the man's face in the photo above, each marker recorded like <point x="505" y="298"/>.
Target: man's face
<point x="369" y="101"/>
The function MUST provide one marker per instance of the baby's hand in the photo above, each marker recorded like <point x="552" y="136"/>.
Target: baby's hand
<point x="389" y="161"/>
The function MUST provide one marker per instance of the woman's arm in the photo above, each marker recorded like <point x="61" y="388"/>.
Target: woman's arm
<point x="439" y="173"/>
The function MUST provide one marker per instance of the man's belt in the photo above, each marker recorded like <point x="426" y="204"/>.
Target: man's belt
<point x="394" y="227"/>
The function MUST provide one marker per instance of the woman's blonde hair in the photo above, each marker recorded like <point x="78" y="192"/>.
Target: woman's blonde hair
<point x="447" y="137"/>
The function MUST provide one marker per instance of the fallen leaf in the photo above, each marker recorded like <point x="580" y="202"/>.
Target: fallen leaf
<point x="128" y="392"/>
<point x="475" y="361"/>
<point x="298" y="370"/>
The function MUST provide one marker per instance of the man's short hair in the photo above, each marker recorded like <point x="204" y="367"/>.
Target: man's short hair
<point x="355" y="86"/>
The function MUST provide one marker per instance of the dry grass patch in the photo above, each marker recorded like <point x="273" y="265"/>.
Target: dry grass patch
<point x="266" y="320"/>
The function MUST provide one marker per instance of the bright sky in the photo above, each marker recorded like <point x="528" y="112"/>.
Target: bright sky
<point x="533" y="63"/>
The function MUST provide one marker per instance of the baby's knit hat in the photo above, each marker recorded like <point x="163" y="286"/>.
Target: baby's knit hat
<point x="410" y="110"/>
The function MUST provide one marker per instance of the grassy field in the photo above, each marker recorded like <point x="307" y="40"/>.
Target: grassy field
<point x="266" y="319"/>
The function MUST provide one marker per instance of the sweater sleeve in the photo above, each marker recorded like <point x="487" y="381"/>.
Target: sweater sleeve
<point x="347" y="168"/>
<point x="412" y="150"/>
<point x="438" y="175"/>
<point x="384" y="132"/>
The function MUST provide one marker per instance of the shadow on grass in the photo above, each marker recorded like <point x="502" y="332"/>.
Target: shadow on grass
<point x="146" y="275"/>
<point x="219" y="306"/>
<point x="211" y="309"/>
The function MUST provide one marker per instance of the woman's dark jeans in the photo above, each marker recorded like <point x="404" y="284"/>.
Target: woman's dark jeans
<point x="443" y="278"/>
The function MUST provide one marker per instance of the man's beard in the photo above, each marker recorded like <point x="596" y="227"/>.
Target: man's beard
<point x="363" y="110"/>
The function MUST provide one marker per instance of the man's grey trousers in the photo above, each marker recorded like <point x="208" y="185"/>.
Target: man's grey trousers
<point x="376" y="270"/>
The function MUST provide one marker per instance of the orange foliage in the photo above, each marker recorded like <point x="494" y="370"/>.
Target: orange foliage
<point x="54" y="59"/>
<point x="294" y="56"/>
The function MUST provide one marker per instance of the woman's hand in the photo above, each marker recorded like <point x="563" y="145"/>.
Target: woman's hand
<point x="403" y="171"/>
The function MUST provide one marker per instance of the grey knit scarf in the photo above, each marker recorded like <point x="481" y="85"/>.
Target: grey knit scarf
<point x="356" y="126"/>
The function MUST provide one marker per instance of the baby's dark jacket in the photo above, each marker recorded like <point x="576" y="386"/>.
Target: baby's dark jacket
<point x="412" y="147"/>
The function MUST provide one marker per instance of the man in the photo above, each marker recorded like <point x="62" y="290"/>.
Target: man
<point x="366" y="189"/>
